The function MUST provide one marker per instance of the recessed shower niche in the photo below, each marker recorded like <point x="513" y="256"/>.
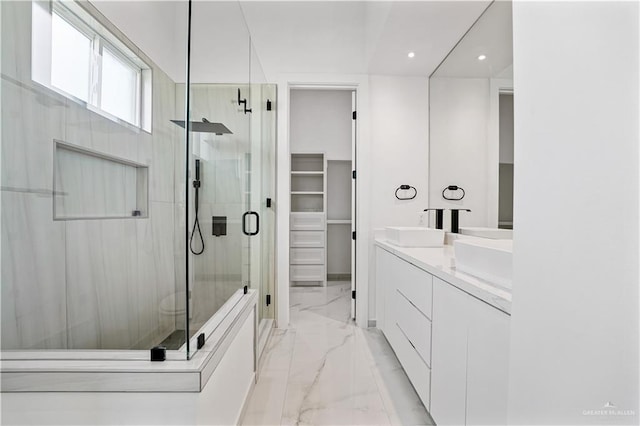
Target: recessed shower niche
<point x="92" y="185"/>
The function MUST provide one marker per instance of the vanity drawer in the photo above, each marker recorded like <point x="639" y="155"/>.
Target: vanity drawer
<point x="306" y="238"/>
<point x="417" y="286"/>
<point x="415" y="326"/>
<point x="306" y="256"/>
<point x="306" y="273"/>
<point x="417" y="371"/>
<point x="307" y="222"/>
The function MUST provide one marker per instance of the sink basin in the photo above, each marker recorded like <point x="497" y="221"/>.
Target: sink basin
<point x="490" y="260"/>
<point x="492" y="233"/>
<point x="414" y="236"/>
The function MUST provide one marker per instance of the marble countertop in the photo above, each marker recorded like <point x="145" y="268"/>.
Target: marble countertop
<point x="440" y="262"/>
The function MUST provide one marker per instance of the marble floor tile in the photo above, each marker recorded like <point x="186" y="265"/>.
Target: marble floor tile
<point x="323" y="370"/>
<point x="267" y="399"/>
<point x="278" y="352"/>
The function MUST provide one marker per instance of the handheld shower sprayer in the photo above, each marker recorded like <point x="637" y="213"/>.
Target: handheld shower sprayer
<point x="196" y="223"/>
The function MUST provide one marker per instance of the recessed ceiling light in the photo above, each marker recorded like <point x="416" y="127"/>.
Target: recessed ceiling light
<point x="482" y="57"/>
<point x="411" y="54"/>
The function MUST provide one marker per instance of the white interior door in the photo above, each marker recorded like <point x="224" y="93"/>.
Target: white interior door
<point x="353" y="203"/>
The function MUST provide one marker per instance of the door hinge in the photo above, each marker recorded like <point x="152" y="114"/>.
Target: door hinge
<point x="268" y="202"/>
<point x="268" y="299"/>
<point x="353" y="235"/>
<point x="353" y="174"/>
<point x="354" y="114"/>
<point x="245" y="289"/>
<point x="201" y="340"/>
<point x="353" y="294"/>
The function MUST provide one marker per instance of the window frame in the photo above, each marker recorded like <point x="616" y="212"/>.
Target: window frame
<point x="99" y="42"/>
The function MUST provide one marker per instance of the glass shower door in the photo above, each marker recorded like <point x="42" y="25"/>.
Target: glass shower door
<point x="219" y="163"/>
<point x="219" y="242"/>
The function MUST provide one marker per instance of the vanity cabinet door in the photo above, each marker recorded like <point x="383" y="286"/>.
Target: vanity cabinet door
<point x="383" y="283"/>
<point x="487" y="366"/>
<point x="470" y="359"/>
<point x="449" y="354"/>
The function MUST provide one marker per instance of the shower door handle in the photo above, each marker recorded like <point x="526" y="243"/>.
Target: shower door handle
<point x="244" y="223"/>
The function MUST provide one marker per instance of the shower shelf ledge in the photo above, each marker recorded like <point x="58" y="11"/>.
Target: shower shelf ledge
<point x="127" y="371"/>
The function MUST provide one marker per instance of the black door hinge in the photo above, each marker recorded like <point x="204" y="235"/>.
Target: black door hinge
<point x="353" y="174"/>
<point x="268" y="202"/>
<point x="268" y="299"/>
<point x="201" y="340"/>
<point x="246" y="289"/>
<point x="353" y="294"/>
<point x="354" y="115"/>
<point x="158" y="353"/>
<point x="353" y="235"/>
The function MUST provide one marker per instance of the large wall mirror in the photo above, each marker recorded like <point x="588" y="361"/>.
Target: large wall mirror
<point x="471" y="123"/>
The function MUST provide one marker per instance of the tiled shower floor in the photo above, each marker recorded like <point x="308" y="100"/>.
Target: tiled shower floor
<point x="174" y="341"/>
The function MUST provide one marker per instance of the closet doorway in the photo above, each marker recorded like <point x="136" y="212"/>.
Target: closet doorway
<point x="323" y="173"/>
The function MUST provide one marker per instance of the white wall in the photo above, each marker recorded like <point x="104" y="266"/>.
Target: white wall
<point x="399" y="155"/>
<point x="574" y="335"/>
<point x="459" y="146"/>
<point x="321" y="122"/>
<point x="400" y="147"/>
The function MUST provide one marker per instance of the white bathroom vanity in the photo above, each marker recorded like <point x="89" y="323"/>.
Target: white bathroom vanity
<point x="449" y="330"/>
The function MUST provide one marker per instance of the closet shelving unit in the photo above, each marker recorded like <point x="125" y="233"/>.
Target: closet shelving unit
<point x="338" y="219"/>
<point x="308" y="219"/>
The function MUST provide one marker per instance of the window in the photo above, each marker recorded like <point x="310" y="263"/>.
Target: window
<point x="89" y="64"/>
<point x="120" y="87"/>
<point x="70" y="58"/>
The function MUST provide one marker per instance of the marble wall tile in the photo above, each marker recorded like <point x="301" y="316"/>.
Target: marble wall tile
<point x="102" y="284"/>
<point x="156" y="272"/>
<point x="91" y="130"/>
<point x="165" y="135"/>
<point x="31" y="120"/>
<point x="33" y="274"/>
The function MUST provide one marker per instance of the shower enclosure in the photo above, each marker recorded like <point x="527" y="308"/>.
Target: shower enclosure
<point x="137" y="199"/>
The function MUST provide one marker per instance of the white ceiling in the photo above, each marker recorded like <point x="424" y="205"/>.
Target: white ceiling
<point x="492" y="36"/>
<point x="295" y="36"/>
<point x="357" y="37"/>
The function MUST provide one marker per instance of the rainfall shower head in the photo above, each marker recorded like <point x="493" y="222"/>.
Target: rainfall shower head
<point x="205" y="126"/>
